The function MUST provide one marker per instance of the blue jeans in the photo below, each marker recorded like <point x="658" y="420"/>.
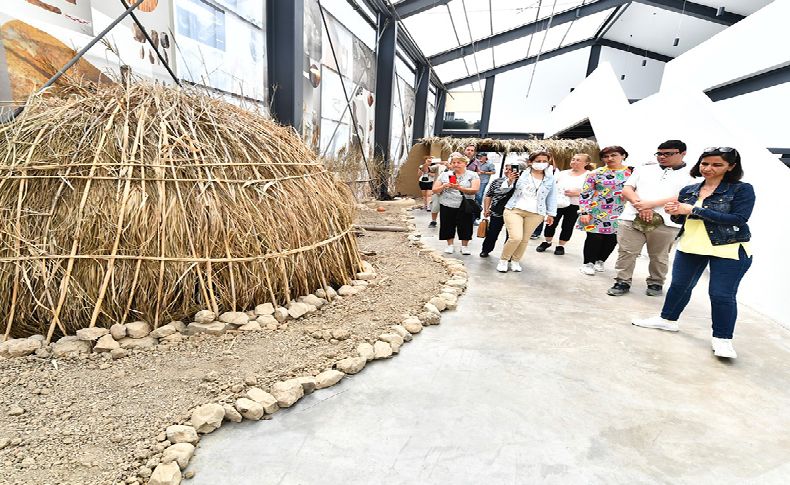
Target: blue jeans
<point x="725" y="276"/>
<point x="480" y="194"/>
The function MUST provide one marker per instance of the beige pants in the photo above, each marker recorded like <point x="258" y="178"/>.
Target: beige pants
<point x="630" y="241"/>
<point x="519" y="224"/>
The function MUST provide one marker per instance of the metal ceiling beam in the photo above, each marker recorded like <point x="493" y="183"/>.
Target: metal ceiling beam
<point x="524" y="62"/>
<point x="696" y="10"/>
<point x="751" y="84"/>
<point x="413" y="7"/>
<point x="525" y="30"/>
<point x="634" y="50"/>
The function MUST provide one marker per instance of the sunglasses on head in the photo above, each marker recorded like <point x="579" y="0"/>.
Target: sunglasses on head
<point x="718" y="150"/>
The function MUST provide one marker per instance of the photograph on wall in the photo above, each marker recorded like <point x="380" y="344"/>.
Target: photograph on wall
<point x="73" y="15"/>
<point x="311" y="74"/>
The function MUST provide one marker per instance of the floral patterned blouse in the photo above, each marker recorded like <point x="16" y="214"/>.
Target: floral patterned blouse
<point x="602" y="198"/>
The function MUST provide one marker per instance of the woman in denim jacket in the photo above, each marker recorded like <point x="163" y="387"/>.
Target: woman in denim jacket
<point x="714" y="214"/>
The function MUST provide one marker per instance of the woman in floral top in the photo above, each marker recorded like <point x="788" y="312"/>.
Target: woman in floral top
<point x="600" y="204"/>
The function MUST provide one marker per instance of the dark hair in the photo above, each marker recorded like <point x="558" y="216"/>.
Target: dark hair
<point x="471" y="145"/>
<point x="534" y="155"/>
<point x="731" y="157"/>
<point x="673" y="144"/>
<point x="613" y="148"/>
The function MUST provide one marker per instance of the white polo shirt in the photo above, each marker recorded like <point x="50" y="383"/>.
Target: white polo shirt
<point x="653" y="182"/>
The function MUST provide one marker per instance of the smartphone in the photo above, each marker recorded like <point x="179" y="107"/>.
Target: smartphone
<point x="453" y="179"/>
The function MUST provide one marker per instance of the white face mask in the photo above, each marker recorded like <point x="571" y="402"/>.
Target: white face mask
<point x="540" y="166"/>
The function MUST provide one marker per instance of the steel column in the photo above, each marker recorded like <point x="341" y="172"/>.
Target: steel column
<point x="595" y="57"/>
<point x="421" y="102"/>
<point x="385" y="83"/>
<point x="485" y="116"/>
<point x="438" y="125"/>
<point x="285" y="39"/>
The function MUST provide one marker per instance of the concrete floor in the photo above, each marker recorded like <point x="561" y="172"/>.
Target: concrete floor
<point x="529" y="382"/>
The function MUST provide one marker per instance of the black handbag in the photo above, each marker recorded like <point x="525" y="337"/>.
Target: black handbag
<point x="470" y="206"/>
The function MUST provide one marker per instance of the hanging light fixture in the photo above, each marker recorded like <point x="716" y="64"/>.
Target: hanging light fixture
<point x="644" y="62"/>
<point x="622" y="77"/>
<point x="677" y="41"/>
<point x="720" y="11"/>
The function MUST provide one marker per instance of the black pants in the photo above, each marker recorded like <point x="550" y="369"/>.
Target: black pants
<point x="598" y="247"/>
<point x="568" y="215"/>
<point x="452" y="220"/>
<point x="495" y="226"/>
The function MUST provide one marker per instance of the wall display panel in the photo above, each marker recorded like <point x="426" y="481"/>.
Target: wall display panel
<point x="248" y="9"/>
<point x="312" y="72"/>
<point x="219" y="49"/>
<point x="402" y="122"/>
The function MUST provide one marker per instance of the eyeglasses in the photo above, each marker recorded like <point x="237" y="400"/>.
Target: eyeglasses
<point x="665" y="154"/>
<point x="719" y="150"/>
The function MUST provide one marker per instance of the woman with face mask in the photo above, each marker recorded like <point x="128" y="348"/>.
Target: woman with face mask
<point x="533" y="201"/>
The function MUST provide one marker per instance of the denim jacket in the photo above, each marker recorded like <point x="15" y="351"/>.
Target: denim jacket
<point x="547" y="193"/>
<point x="724" y="213"/>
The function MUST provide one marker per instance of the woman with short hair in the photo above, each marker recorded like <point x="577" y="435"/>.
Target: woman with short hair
<point x="425" y="179"/>
<point x="715" y="235"/>
<point x="453" y="186"/>
<point x="569" y="183"/>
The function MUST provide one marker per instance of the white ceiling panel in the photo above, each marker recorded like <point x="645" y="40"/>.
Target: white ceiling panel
<point x="432" y="30"/>
<point x="513" y="51"/>
<point x="458" y="14"/>
<point x="586" y="27"/>
<point x="480" y="17"/>
<point x="741" y="7"/>
<point x="655" y="29"/>
<point x="547" y="40"/>
<point x="455" y="69"/>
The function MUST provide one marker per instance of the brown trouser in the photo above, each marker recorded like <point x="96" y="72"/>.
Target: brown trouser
<point x="630" y="242"/>
<point x="520" y="225"/>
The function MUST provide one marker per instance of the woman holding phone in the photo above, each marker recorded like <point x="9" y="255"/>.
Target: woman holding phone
<point x="452" y="186"/>
<point x="425" y="179"/>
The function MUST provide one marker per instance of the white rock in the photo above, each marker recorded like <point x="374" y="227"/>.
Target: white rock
<point x="313" y="300"/>
<point x="404" y="334"/>
<point x="106" y="344"/>
<point x="456" y="283"/>
<point x="205" y="316"/>
<point x="211" y="328"/>
<point x="171" y="339"/>
<point x="438" y="303"/>
<point x="70" y="346"/>
<point x="137" y="329"/>
<point x="431" y="308"/>
<point x="381" y="350"/>
<point x="179" y="326"/>
<point x="118" y="331"/>
<point x="367" y="267"/>
<point x="287" y="392"/>
<point x="365" y="276"/>
<point x="328" y="378"/>
<point x="251" y="327"/>
<point x="207" y="418"/>
<point x="451" y="290"/>
<point x="164" y="331"/>
<point x="451" y="301"/>
<point x="264" y="309"/>
<point x="412" y="326"/>
<point x="249" y="409"/>
<point x="359" y="284"/>
<point x="281" y="314"/>
<point x="347" y="290"/>
<point x="296" y="309"/>
<point x="308" y="383"/>
<point x="91" y="334"/>
<point x="365" y="350"/>
<point x="264" y="320"/>
<point x="234" y="318"/>
<point x="179" y="433"/>
<point x="321" y="293"/>
<point x="19" y="347"/>
<point x="340" y="333"/>
<point x="145" y="343"/>
<point x="263" y="398"/>
<point x="331" y="294"/>
<point x="393" y="339"/>
<point x="430" y="318"/>
<point x="351" y="365"/>
<point x="231" y="414"/>
<point x="166" y="474"/>
<point x="180" y="453"/>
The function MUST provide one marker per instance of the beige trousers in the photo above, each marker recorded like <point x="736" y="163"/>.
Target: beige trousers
<point x="630" y="242"/>
<point x="519" y="224"/>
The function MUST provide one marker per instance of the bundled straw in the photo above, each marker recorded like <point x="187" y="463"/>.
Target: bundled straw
<point x="151" y="203"/>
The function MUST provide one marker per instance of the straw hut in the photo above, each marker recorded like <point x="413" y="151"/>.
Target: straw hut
<point x="151" y="203"/>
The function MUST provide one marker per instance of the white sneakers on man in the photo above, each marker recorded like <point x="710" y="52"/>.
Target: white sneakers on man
<point x="449" y="249"/>
<point x="465" y="250"/>
<point x="598" y="266"/>
<point x="722" y="347"/>
<point x="656" y="322"/>
<point x="502" y="266"/>
<point x="515" y="266"/>
<point x="588" y="269"/>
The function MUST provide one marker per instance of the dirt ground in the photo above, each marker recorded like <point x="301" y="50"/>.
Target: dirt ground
<point x="96" y="420"/>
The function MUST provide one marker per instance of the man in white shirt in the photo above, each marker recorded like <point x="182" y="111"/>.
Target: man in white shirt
<point x="644" y="220"/>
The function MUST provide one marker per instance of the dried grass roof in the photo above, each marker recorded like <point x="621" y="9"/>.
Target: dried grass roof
<point x="561" y="149"/>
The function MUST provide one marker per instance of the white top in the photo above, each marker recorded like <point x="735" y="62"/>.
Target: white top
<point x="653" y="182"/>
<point x="452" y="197"/>
<point x="567" y="181"/>
<point x="528" y="198"/>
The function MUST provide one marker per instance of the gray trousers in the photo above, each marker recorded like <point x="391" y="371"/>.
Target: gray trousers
<point x="630" y="243"/>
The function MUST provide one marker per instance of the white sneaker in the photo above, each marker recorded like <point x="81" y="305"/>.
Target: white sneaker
<point x="502" y="266"/>
<point x="465" y="250"/>
<point x="598" y="266"/>
<point x="722" y="347"/>
<point x="515" y="266"/>
<point x="588" y="269"/>
<point x="449" y="249"/>
<point x="656" y="322"/>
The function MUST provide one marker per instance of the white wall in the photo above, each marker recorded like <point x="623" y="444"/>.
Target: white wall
<point x="763" y="113"/>
<point x="681" y="110"/>
<point x="511" y="111"/>
<point x="640" y="81"/>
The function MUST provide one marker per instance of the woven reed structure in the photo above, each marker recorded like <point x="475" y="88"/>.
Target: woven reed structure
<point x="150" y="203"/>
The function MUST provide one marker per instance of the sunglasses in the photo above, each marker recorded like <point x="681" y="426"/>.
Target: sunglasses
<point x="719" y="150"/>
<point x="665" y="154"/>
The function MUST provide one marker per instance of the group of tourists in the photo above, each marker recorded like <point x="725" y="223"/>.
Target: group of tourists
<point x="705" y="208"/>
